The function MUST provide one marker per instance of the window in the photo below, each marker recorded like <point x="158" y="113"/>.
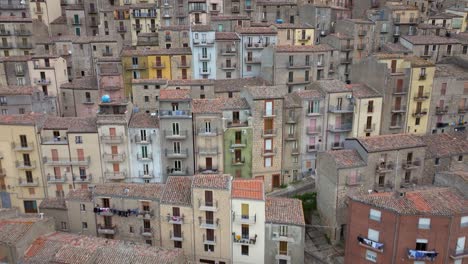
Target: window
<point x="373" y="234"/>
<point x="177" y="244"/>
<point x="21" y="111"/>
<point x="370" y="107"/>
<point x="424" y="223"/>
<point x="63" y="225"/>
<point x="421" y="244"/>
<point x="245" y="250"/>
<point x="464" y="221"/>
<point x="209" y="248"/>
<point x="268" y="162"/>
<point x="130" y="229"/>
<point x="375" y="215"/>
<point x="437" y="161"/>
<point x="460" y="158"/>
<point x="146" y="99"/>
<point x="371" y="255"/>
<point x="149" y="242"/>
<point x="78" y="140"/>
<point x="417" y="121"/>
<point x="31" y="191"/>
<point x="84" y="225"/>
<point x="82" y="207"/>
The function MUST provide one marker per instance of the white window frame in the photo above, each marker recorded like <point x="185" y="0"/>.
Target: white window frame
<point x="373" y="234"/>
<point x="371" y="256"/>
<point x="424" y="223"/>
<point x="375" y="215"/>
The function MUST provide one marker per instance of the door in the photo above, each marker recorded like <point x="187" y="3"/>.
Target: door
<point x="108" y="221"/>
<point x="420" y="91"/>
<point x="312" y="124"/>
<point x="112" y="131"/>
<point x="208" y="198"/>
<point x="57" y="173"/>
<point x="158" y="61"/>
<point x="115" y="151"/>
<point x="177" y="230"/>
<point x="238" y="137"/>
<point x="80" y="154"/>
<point x="311" y="143"/>
<point x="237" y="155"/>
<point x="183" y="60"/>
<point x="397" y="103"/>
<point x="23" y="141"/>
<point x="283" y="248"/>
<point x="116" y="167"/>
<point x="54" y="153"/>
<point x="27" y="161"/>
<point x="209" y="217"/>
<point x="337" y="121"/>
<point x="276" y="181"/>
<point x="245" y="211"/>
<point x="399" y="88"/>
<point x="209" y="163"/>
<point x="394" y="63"/>
<point x="210" y="235"/>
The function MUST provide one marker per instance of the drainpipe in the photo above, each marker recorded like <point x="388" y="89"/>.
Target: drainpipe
<point x="395" y="239"/>
<point x="447" y="248"/>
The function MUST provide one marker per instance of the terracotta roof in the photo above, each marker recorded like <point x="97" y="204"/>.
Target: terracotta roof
<point x="235" y="104"/>
<point x="398" y="6"/>
<point x="451" y="70"/>
<point x="16" y="58"/>
<point x="443" y="16"/>
<point x="236" y="85"/>
<point x="130" y="190"/>
<point x="207" y="106"/>
<point x="445" y="145"/>
<point x="430" y="39"/>
<point x="175" y="28"/>
<point x="177" y="94"/>
<point x="388" y="56"/>
<point x="59" y="20"/>
<point x="70" y="248"/>
<point x="149" y="81"/>
<point x="17" y="90"/>
<point x="267" y="92"/>
<point x="346" y="158"/>
<point x="95" y="39"/>
<point x="462" y="36"/>
<point x="229" y="17"/>
<point x="13" y="230"/>
<point x="426" y="201"/>
<point x="212" y="181"/>
<point x="26" y="119"/>
<point x="149" y="52"/>
<point x="309" y="94"/>
<point x="341" y="35"/>
<point x="15" y="19"/>
<point x="256" y="30"/>
<point x="330" y="86"/>
<point x="143" y="120"/>
<point x="178" y="191"/>
<point x="418" y="62"/>
<point x="359" y="21"/>
<point x="293" y="26"/>
<point x="71" y="124"/>
<point x="285" y="211"/>
<point x="391" y="142"/>
<point x="395" y="48"/>
<point x="83" y="195"/>
<point x="53" y="203"/>
<point x="190" y="82"/>
<point x="248" y="189"/>
<point x="74" y="7"/>
<point x="361" y="90"/>
<point x="305" y="48"/>
<point x="202" y="28"/>
<point x="292" y="101"/>
<point x="82" y="83"/>
<point x="226" y="36"/>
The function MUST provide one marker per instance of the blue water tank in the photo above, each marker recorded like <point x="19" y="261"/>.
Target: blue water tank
<point x="105" y="98"/>
<point x="279" y="21"/>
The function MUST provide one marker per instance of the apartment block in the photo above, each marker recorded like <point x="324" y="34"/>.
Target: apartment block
<point x="402" y="18"/>
<point x="228" y="23"/>
<point x="253" y="41"/>
<point x="175" y="116"/>
<point x="14" y="71"/>
<point x="292" y="128"/>
<point x="362" y="33"/>
<point x="449" y="100"/>
<point x="129" y="211"/>
<point x="56" y="209"/>
<point x="231" y="88"/>
<point x="397" y="228"/>
<point x="70" y="154"/>
<point x="248" y="221"/>
<point x="118" y="20"/>
<point x="295" y="34"/>
<point x="318" y="15"/>
<point x="174" y="36"/>
<point x="267" y="118"/>
<point x="303" y="64"/>
<point x="227" y="45"/>
<point x="80" y="212"/>
<point x="344" y="45"/>
<point x="45" y="11"/>
<point x="80" y="98"/>
<point x="208" y="126"/>
<point x="198" y="12"/>
<point x="16" y="35"/>
<point x="145" y="21"/>
<point x="21" y="181"/>
<point x="211" y="197"/>
<point x="462" y="11"/>
<point x="239" y="7"/>
<point x="432" y="48"/>
<point x="237" y="138"/>
<point x="76" y="21"/>
<point x="368" y="109"/>
<point x="449" y="22"/>
<point x="204" y="55"/>
<point x="15" y="8"/>
<point x="284" y="230"/>
<point x="15" y="100"/>
<point x="276" y="12"/>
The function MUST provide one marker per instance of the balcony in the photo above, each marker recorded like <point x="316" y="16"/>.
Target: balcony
<point x="253" y="46"/>
<point x="117" y="157"/>
<point x="244" y="219"/>
<point x="291" y="119"/>
<point x="337" y="145"/>
<point x="55" y="179"/>
<point x="144" y="14"/>
<point x="340" y="128"/>
<point x="268" y="152"/>
<point x="107" y="229"/>
<point x="112" y="139"/>
<point x="420" y="112"/>
<point x="5" y="45"/>
<point x="346" y="47"/>
<point x="176" y="171"/>
<point x="229" y="67"/>
<point x="24" y="165"/>
<point x="290" y="136"/>
<point x="239" y="143"/>
<point x="175" y="113"/>
<point x="115" y="175"/>
<point x="312" y="148"/>
<point x="427" y="54"/>
<point x="268" y="132"/>
<point x="411" y="164"/>
<point x="235" y="10"/>
<point x="208" y="223"/>
<point x="205" y="57"/>
<point x="459" y="253"/>
<point x="158" y="65"/>
<point x="180" y="154"/>
<point x="206" y="71"/>
<point x="248" y="8"/>
<point x="142" y="140"/>
<point x="42" y="81"/>
<point x="169" y="134"/>
<point x="339" y="109"/>
<point x="399" y="91"/>
<point x="208" y="151"/>
<point x="83" y="178"/>
<point x="121" y="29"/>
<point x="211" y="206"/>
<point x="66" y="161"/>
<point x="369" y="128"/>
<point x="146" y="231"/>
<point x="23" y="32"/>
<point x="422" y="255"/>
<point x="441" y="110"/>
<point x="361" y="46"/>
<point x="291" y="65"/>
<point x="203" y="42"/>
<point x="422" y="77"/>
<point x="29" y="146"/>
<point x="138" y="27"/>
<point x="93" y="23"/>
<point x="313" y="130"/>
<point x="140" y="66"/>
<point x="26" y="183"/>
<point x="173" y="219"/>
<point x="298" y="80"/>
<point x="176" y="237"/>
<point x="384" y="167"/>
<point x="228" y="52"/>
<point x="370" y="244"/>
<point x="4" y="32"/>
<point x="107" y="53"/>
<point x="252" y="60"/>
<point x="147" y="157"/>
<point x="145" y="174"/>
<point x="209" y="241"/>
<point x="462" y="109"/>
<point x="238" y="161"/>
<point x="269" y="113"/>
<point x="399" y="109"/>
<point x="283" y="255"/>
<point x="208" y="132"/>
<point x="421" y="97"/>
<point x="237" y="123"/>
<point x="206" y="170"/>
<point x="346" y="60"/>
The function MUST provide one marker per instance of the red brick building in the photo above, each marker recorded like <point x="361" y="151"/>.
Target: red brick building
<point x="418" y="226"/>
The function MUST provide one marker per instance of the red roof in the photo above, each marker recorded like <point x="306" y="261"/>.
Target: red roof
<point x="179" y="94"/>
<point x="248" y="189"/>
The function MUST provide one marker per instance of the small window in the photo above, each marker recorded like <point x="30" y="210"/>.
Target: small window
<point x="145" y="87"/>
<point x="230" y="94"/>
<point x="209" y="248"/>
<point x="245" y="250"/>
<point x="63" y="225"/>
<point x="437" y="161"/>
<point x="424" y="223"/>
<point x="78" y="140"/>
<point x="460" y="158"/>
<point x="84" y="225"/>
<point x="177" y="244"/>
<point x="464" y="221"/>
<point x="149" y="242"/>
<point x="146" y="99"/>
<point x="94" y="47"/>
<point x="371" y="256"/>
<point x="375" y="215"/>
<point x="130" y="229"/>
<point x="82" y="207"/>
<point x="268" y="162"/>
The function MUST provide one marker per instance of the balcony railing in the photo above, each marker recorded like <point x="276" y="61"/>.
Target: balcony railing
<point x="207" y="151"/>
<point x="83" y="178"/>
<point x="175" y="113"/>
<point x="203" y="131"/>
<point x="21" y="164"/>
<point x="22" y="147"/>
<point x="56" y="179"/>
<point x="228" y="52"/>
<point x="181" y="153"/>
<point x="420" y="112"/>
<point x="207" y="170"/>
<point x="441" y="110"/>
<point x="112" y="139"/>
<point x="159" y="65"/>
<point x="208" y="223"/>
<point x="107" y="229"/>
<point x="399" y="109"/>
<point x="115" y="175"/>
<point x="118" y="157"/>
<point x="411" y="164"/>
<point x="313" y="130"/>
<point x="340" y="127"/>
<point x="209" y="241"/>
<point x="384" y="167"/>
<point x="244" y="219"/>
<point x="146" y="231"/>
<point x="176" y="237"/>
<point x="172" y="219"/>
<point x="244" y="239"/>
<point x="239" y="161"/>
<point x="231" y="66"/>
<point x="422" y="254"/>
<point x="371" y="244"/>
<point x="208" y="205"/>
<point x="23" y="32"/>
<point x="341" y="108"/>
<point x="203" y="42"/>
<point x="205" y="57"/>
<point x="176" y="171"/>
<point x="42" y="81"/>
<point x="205" y="71"/>
<point x="292" y="65"/>
<point x="421" y="96"/>
<point x="148" y="156"/>
<point x="369" y="128"/>
<point x="4" y="32"/>
<point x="107" y="53"/>
<point x="298" y="80"/>
<point x="256" y="45"/>
<point x="239" y="143"/>
<point x="237" y="123"/>
<point x="145" y="174"/>
<point x="269" y="132"/>
<point x="24" y="183"/>
<point x="142" y="140"/>
<point x="268" y="152"/>
<point x="66" y="161"/>
<point x="459" y="253"/>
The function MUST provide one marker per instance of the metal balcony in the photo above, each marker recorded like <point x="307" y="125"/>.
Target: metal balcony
<point x="313" y="130"/>
<point x="142" y="140"/>
<point x="115" y="175"/>
<point x="203" y="42"/>
<point x="158" y="65"/>
<point x="25" y="165"/>
<point x="399" y="109"/>
<point x="208" y="223"/>
<point x="146" y="231"/>
<point x="146" y="174"/>
<point x="4" y="32"/>
<point x="176" y="237"/>
<point x="298" y="80"/>
<point x="118" y="157"/>
<point x="268" y="132"/>
<point x="341" y="109"/>
<point x="231" y="66"/>
<point x="42" y="81"/>
<point x="112" y="139"/>
<point x="384" y="167"/>
<point x="107" y="229"/>
<point x="441" y="110"/>
<point x="180" y="154"/>
<point x="55" y="179"/>
<point x="23" y="32"/>
<point x="421" y="96"/>
<point x="237" y="123"/>
<point x="147" y="157"/>
<point x="24" y="183"/>
<point x="239" y="143"/>
<point x="22" y="147"/>
<point x="169" y="134"/>
<point x="240" y="161"/>
<point x="304" y="65"/>
<point x="340" y="128"/>
<point x="211" y="206"/>
<point x="270" y="113"/>
<point x="459" y="253"/>
<point x="244" y="219"/>
<point x="175" y="113"/>
<point x="207" y="151"/>
<point x="107" y="53"/>
<point x="420" y="112"/>
<point x="206" y="71"/>
<point x="176" y="171"/>
<point x="411" y="165"/>
<point x="228" y="52"/>
<point x="203" y="131"/>
<point x="83" y="178"/>
<point x="178" y="220"/>
<point x="369" y="128"/>
<point x="205" y="57"/>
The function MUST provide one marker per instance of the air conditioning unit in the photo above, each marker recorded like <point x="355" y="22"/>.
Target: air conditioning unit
<point x="275" y="235"/>
<point x="349" y="96"/>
